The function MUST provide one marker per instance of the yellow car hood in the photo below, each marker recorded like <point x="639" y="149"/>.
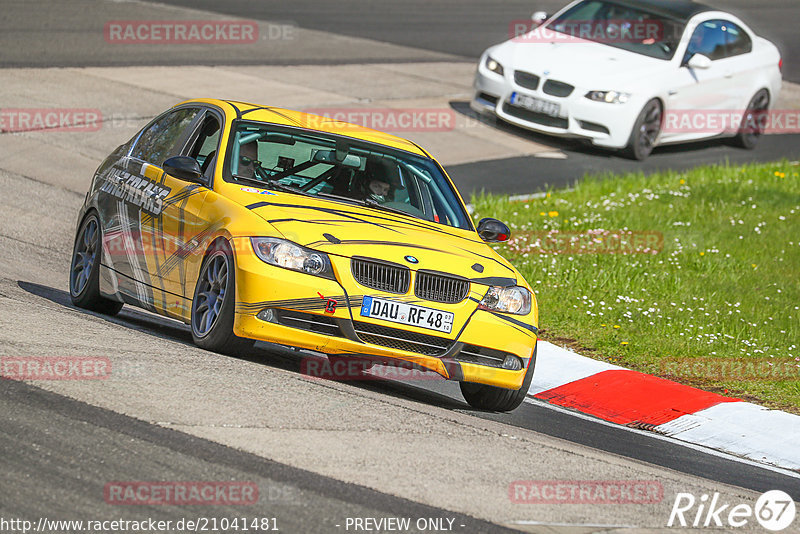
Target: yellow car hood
<point x="345" y="230"/>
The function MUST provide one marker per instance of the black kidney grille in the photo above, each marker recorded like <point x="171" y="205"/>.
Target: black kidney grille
<point x="381" y="276"/>
<point x="552" y="87"/>
<point x="440" y="288"/>
<point x="526" y="79"/>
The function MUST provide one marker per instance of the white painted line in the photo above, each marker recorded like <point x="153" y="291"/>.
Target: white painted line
<point x="550" y="155"/>
<point x="744" y="429"/>
<point x="556" y="366"/>
<point x="523" y="198"/>
<point x="674" y="441"/>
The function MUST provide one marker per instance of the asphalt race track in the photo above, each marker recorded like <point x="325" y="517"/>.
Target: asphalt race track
<point x="403" y="31"/>
<point x="320" y="452"/>
<point x="467" y="27"/>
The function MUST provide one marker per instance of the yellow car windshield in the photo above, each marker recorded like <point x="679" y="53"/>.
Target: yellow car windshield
<point x="344" y="170"/>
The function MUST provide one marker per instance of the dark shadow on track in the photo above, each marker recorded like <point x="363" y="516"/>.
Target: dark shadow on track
<point x="268" y="354"/>
<point x="442" y="393"/>
<point x="43" y="428"/>
<point x="528" y="174"/>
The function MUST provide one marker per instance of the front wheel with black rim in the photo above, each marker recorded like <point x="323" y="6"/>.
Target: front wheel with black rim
<point x="494" y="399"/>
<point x="84" y="272"/>
<point x="753" y="121"/>
<point x="645" y="131"/>
<point x="213" y="304"/>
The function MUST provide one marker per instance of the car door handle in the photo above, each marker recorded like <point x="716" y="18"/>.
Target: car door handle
<point x="729" y="75"/>
<point x="672" y="92"/>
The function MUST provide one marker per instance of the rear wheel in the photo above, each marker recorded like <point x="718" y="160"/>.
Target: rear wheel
<point x="213" y="303"/>
<point x="752" y="123"/>
<point x="494" y="399"/>
<point x="645" y="131"/>
<point x="84" y="273"/>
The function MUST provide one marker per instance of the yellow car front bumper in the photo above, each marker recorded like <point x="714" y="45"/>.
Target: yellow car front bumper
<point x="473" y="352"/>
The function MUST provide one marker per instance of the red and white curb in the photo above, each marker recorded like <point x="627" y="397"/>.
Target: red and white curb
<point x="637" y="400"/>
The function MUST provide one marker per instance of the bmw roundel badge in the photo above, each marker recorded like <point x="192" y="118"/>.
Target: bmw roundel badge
<point x="411" y="259"/>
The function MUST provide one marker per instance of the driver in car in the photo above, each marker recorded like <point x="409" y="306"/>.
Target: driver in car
<point x="380" y="183"/>
<point x="248" y="160"/>
<point x="378" y="189"/>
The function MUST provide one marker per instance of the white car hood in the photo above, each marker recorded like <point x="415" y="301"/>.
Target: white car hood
<point x="585" y="65"/>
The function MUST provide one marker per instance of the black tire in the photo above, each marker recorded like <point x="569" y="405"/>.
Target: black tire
<point x="214" y="301"/>
<point x="752" y="126"/>
<point x="494" y="399"/>
<point x="645" y="131"/>
<point x="84" y="271"/>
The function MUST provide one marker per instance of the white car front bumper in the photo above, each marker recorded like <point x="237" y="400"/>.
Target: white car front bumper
<point x="605" y="125"/>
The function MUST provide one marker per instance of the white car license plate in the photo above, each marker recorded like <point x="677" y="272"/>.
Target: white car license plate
<point x="400" y="312"/>
<point x="536" y="104"/>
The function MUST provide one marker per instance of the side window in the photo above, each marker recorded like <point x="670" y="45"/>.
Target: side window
<point x="204" y="148"/>
<point x="738" y="40"/>
<point x="718" y="39"/>
<point x="708" y="39"/>
<point x="157" y="143"/>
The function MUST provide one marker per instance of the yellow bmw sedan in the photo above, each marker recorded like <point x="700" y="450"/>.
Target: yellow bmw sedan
<point x="254" y="223"/>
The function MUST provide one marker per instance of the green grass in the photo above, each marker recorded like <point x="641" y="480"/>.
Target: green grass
<point x="725" y="285"/>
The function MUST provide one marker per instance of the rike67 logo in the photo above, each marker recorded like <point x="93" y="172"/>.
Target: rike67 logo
<point x="774" y="510"/>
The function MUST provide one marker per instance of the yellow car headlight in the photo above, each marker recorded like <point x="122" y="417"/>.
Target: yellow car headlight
<point x="515" y="299"/>
<point x="289" y="255"/>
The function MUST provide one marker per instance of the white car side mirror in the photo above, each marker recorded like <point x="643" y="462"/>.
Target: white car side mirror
<point x="539" y="17"/>
<point x="699" y="61"/>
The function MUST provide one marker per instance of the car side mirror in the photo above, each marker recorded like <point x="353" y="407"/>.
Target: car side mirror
<point x="493" y="231"/>
<point x="699" y="61"/>
<point x="184" y="168"/>
<point x="539" y="17"/>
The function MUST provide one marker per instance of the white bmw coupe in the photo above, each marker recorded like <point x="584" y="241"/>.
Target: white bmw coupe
<point x="632" y="75"/>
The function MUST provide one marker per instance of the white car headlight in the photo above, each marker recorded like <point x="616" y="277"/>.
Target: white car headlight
<point x="609" y="97"/>
<point x="515" y="299"/>
<point x="283" y="253"/>
<point x="494" y="66"/>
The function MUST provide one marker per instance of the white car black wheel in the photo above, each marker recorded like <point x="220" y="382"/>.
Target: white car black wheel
<point x="753" y="121"/>
<point x="645" y="131"/>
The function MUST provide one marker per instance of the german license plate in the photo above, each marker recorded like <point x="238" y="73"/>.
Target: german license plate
<point x="536" y="104"/>
<point x="410" y="314"/>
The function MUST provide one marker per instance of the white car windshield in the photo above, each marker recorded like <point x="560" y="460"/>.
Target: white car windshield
<point x="621" y="26"/>
<point x="343" y="169"/>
